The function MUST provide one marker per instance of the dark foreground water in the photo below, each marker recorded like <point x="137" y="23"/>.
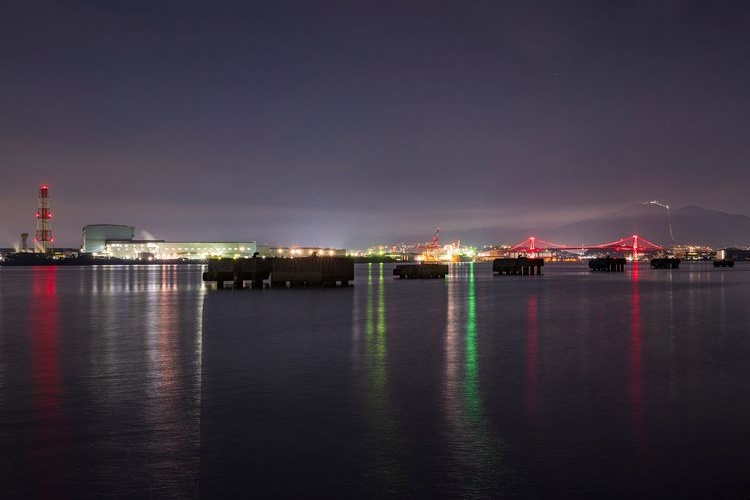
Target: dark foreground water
<point x="137" y="382"/>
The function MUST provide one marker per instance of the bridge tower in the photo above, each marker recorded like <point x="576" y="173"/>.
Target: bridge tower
<point x="43" y="239"/>
<point x="635" y="247"/>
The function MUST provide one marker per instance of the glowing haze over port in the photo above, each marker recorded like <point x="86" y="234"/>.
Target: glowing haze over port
<point x="347" y="123"/>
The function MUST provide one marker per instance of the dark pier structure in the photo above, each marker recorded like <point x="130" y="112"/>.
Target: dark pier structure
<point x="238" y="271"/>
<point x="301" y="271"/>
<point x="608" y="264"/>
<point x="665" y="263"/>
<point x="421" y="271"/>
<point x="724" y="263"/>
<point x="312" y="271"/>
<point x="522" y="266"/>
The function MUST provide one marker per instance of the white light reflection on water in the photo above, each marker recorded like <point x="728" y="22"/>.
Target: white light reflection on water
<point x="145" y="372"/>
<point x="197" y="383"/>
<point x="172" y="394"/>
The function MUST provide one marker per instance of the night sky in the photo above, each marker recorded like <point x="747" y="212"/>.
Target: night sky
<point x="341" y="123"/>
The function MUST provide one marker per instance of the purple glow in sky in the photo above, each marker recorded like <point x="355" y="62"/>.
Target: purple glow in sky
<point x="339" y="122"/>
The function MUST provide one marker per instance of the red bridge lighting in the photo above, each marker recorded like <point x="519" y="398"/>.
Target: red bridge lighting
<point x="634" y="243"/>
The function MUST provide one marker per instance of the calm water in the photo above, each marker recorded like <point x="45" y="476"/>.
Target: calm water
<point x="143" y="382"/>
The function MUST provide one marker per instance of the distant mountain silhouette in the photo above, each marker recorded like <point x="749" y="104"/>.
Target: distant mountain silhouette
<point x="690" y="225"/>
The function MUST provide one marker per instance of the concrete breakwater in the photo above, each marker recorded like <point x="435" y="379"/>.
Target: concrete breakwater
<point x="665" y="263"/>
<point x="301" y="271"/>
<point x="421" y="271"/>
<point x="523" y="266"/>
<point x="724" y="263"/>
<point x="608" y="264"/>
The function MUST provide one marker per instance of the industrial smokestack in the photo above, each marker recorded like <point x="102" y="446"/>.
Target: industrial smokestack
<point x="43" y="240"/>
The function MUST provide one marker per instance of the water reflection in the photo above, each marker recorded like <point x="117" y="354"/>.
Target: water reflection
<point x="636" y="368"/>
<point x="103" y="386"/>
<point x="46" y="468"/>
<point x="386" y="470"/>
<point x="532" y="360"/>
<point x="4" y="358"/>
<point x="471" y="385"/>
<point x="108" y="280"/>
<point x="145" y="356"/>
<point x="172" y="402"/>
<point x="477" y="451"/>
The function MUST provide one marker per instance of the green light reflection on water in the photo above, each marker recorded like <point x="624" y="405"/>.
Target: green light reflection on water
<point x="376" y="334"/>
<point x="471" y="382"/>
<point x="387" y="468"/>
<point x="380" y="340"/>
<point x="480" y="469"/>
<point x="368" y="319"/>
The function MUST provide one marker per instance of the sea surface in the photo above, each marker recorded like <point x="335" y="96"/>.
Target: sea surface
<point x="143" y="382"/>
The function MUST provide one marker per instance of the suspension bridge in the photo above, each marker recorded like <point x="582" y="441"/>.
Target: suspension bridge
<point x="633" y="244"/>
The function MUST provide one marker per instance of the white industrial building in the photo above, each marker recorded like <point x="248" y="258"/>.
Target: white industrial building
<point x="114" y="240"/>
<point x="95" y="236"/>
<point x="170" y="250"/>
<point x="118" y="241"/>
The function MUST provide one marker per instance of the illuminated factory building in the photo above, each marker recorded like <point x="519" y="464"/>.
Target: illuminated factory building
<point x="112" y="240"/>
<point x="95" y="236"/>
<point x="301" y="251"/>
<point x="118" y="241"/>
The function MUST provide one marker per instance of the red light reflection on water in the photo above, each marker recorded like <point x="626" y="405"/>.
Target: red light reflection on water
<point x="45" y="338"/>
<point x="636" y="368"/>
<point x="532" y="359"/>
<point x="45" y="471"/>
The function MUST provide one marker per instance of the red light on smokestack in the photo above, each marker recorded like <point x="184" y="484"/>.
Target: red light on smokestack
<point x="43" y="235"/>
